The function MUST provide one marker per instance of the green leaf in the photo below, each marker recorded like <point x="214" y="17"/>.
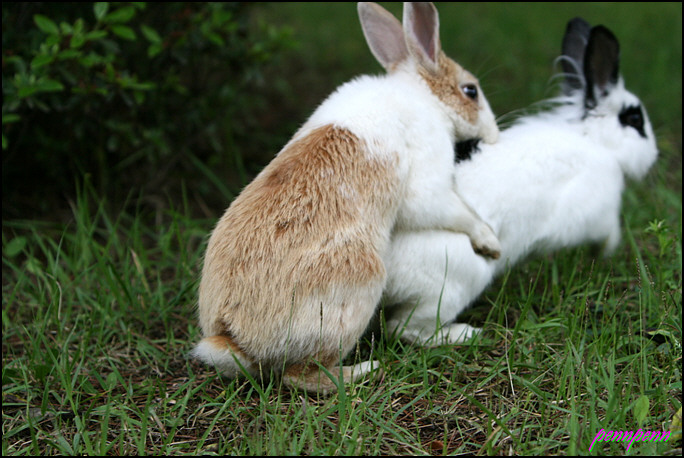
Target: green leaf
<point x="151" y="34"/>
<point x="69" y="54"/>
<point x="67" y="29"/>
<point x="45" y="24"/>
<point x="131" y="82"/>
<point x="26" y="91"/>
<point x="96" y="35"/>
<point x="42" y="85"/>
<point x="34" y="266"/>
<point x="91" y="60"/>
<point x="641" y="409"/>
<point x="100" y="9"/>
<point x="10" y="117"/>
<point x="14" y="247"/>
<point x="154" y="49"/>
<point x="124" y="32"/>
<point x="111" y="381"/>
<point x="121" y="15"/>
<point x="79" y="25"/>
<point x="49" y="85"/>
<point x="77" y="41"/>
<point x="41" y="60"/>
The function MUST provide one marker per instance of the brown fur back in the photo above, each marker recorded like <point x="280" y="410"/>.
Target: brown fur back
<point x="295" y="261"/>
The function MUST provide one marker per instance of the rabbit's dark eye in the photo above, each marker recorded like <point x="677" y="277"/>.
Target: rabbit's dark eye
<point x="470" y="90"/>
<point x="633" y="117"/>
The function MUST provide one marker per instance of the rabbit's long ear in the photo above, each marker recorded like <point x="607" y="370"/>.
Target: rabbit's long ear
<point x="384" y="34"/>
<point x="572" y="59"/>
<point x="421" y="28"/>
<point x="601" y="65"/>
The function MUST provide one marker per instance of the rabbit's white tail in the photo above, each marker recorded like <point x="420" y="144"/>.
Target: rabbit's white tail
<point x="221" y="352"/>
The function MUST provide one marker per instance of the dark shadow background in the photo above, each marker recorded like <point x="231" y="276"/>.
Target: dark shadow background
<point x="186" y="102"/>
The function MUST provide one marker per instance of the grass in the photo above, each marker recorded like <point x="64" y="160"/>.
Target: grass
<point x="98" y="317"/>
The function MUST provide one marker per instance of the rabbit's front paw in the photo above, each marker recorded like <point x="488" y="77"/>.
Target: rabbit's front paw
<point x="457" y="333"/>
<point x="485" y="242"/>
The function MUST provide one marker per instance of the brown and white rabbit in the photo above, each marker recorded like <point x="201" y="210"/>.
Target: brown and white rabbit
<point x="554" y="179"/>
<point x="294" y="269"/>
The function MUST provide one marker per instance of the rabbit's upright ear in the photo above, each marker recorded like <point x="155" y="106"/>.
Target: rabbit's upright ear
<point x="572" y="55"/>
<point x="421" y="28"/>
<point x="601" y="65"/>
<point x="384" y="34"/>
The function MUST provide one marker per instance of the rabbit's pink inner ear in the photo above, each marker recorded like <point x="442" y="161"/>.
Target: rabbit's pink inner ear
<point x="421" y="27"/>
<point x="384" y="34"/>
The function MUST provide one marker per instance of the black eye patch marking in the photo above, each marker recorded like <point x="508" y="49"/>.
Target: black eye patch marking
<point x="632" y="116"/>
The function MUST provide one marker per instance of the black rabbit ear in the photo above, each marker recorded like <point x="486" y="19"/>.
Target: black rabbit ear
<point x="572" y="61"/>
<point x="601" y="65"/>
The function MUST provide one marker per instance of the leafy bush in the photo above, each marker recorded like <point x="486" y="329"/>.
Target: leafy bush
<point x="133" y="96"/>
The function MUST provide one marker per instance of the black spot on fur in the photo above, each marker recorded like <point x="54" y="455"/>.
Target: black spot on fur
<point x="465" y="149"/>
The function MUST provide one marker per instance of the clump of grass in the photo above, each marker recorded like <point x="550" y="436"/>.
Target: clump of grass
<point x="98" y="322"/>
<point x="91" y="313"/>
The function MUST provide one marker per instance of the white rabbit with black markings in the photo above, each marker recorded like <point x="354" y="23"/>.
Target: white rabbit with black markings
<point x="294" y="269"/>
<point x="553" y="180"/>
